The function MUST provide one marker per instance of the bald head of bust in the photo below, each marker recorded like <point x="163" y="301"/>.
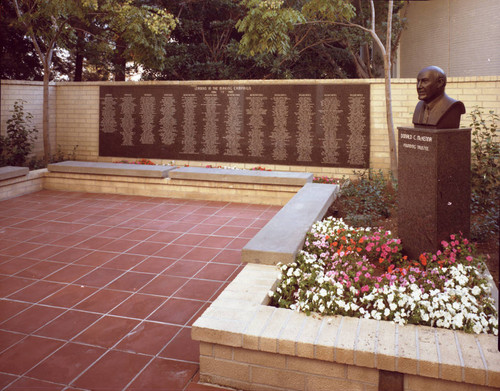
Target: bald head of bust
<point x="431" y="82"/>
<point x="435" y="109"/>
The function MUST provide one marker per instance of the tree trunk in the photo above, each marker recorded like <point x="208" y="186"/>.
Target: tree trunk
<point x="388" y="96"/>
<point x="78" y="57"/>
<point x="390" y="123"/>
<point x="120" y="63"/>
<point x="45" y="113"/>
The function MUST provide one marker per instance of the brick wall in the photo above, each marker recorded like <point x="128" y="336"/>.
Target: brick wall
<point x="255" y="370"/>
<point x="32" y="93"/>
<point x="246" y="344"/>
<point x="27" y="184"/>
<point x="75" y="113"/>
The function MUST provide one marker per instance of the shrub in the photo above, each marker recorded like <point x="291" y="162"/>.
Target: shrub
<point x="21" y="134"/>
<point x="485" y="182"/>
<point x="369" y="198"/>
<point x="59" y="156"/>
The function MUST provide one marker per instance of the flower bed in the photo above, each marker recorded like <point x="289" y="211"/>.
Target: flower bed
<point x="362" y="273"/>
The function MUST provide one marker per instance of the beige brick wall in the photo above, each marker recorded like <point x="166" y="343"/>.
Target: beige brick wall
<point x="16" y="187"/>
<point x="75" y="114"/>
<point x="77" y="119"/>
<point x="255" y="370"/>
<point x="175" y="188"/>
<point x="32" y="93"/>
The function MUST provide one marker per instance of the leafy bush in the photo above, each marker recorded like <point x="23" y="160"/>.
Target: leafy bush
<point x="485" y="182"/>
<point x="369" y="198"/>
<point x="21" y="134"/>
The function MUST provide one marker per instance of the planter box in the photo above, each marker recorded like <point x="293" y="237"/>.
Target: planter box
<point x="248" y="345"/>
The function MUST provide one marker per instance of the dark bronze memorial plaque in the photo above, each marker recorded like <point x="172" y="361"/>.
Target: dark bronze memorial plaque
<point x="312" y="125"/>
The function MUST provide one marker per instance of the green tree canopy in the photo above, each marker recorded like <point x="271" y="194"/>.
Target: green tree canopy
<point x="281" y="27"/>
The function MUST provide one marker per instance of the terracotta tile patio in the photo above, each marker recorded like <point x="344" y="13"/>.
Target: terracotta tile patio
<point x="99" y="292"/>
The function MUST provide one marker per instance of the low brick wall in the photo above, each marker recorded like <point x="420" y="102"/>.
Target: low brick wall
<point x="21" y="185"/>
<point x="175" y="188"/>
<point x="249" y="345"/>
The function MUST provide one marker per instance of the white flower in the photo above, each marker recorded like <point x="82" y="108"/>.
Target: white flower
<point x="477" y="328"/>
<point x="297" y="272"/>
<point x="270" y="293"/>
<point x="323" y="292"/>
<point x="387" y="312"/>
<point x="476" y="291"/>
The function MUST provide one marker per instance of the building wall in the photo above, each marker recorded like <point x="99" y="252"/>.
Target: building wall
<point x="75" y="114"/>
<point x="459" y="36"/>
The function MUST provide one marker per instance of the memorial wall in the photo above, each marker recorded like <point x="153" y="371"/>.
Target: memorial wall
<point x="308" y="125"/>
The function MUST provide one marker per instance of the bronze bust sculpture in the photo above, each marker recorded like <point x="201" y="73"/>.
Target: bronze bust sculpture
<point x="435" y="109"/>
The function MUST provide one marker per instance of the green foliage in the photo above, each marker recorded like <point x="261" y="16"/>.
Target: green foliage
<point x="267" y="26"/>
<point x="18" y="58"/>
<point x="36" y="163"/>
<point x="142" y="30"/>
<point x="485" y="181"/>
<point x="21" y="134"/>
<point x="367" y="199"/>
<point x="204" y="45"/>
<point x="332" y="33"/>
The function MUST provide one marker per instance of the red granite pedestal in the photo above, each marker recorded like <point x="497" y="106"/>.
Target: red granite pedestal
<point x="434" y="187"/>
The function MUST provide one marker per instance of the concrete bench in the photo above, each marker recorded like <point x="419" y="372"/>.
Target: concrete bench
<point x="9" y="172"/>
<point x="121" y="169"/>
<point x="241" y="176"/>
<point x="283" y="236"/>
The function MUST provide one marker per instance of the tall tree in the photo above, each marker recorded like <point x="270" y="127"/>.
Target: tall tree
<point x="279" y="26"/>
<point x="45" y="24"/>
<point x="136" y="33"/>
<point x="204" y="45"/>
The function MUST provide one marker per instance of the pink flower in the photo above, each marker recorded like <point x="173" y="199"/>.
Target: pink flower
<point x="356" y="279"/>
<point x="365" y="288"/>
<point x="452" y="237"/>
<point x="367" y="275"/>
<point x="469" y="258"/>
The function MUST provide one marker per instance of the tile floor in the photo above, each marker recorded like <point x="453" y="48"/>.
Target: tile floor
<point x="99" y="292"/>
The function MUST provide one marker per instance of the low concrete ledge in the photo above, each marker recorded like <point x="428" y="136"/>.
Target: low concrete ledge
<point x="24" y="184"/>
<point x="9" y="172"/>
<point x="283" y="236"/>
<point x="248" y="345"/>
<point x="242" y="176"/>
<point x="121" y="169"/>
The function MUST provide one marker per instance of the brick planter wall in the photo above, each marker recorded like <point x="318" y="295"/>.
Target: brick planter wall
<point x="249" y="345"/>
